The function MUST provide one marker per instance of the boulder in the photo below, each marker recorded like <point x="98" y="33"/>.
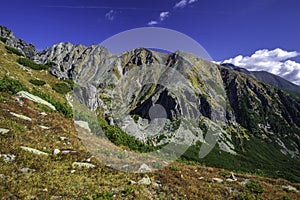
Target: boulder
<point x="290" y="188"/>
<point x="8" y="157"/>
<point x="34" y="98"/>
<point x="83" y="124"/>
<point x="56" y="151"/>
<point x="82" y="165"/>
<point x="217" y="180"/>
<point x="3" y="131"/>
<point x="20" y="116"/>
<point x="145" y="181"/>
<point x="34" y="151"/>
<point x="144" y="168"/>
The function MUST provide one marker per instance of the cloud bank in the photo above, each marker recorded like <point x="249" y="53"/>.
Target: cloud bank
<point x="275" y="61"/>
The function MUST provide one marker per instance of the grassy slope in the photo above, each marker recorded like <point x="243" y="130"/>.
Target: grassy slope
<point x="9" y="66"/>
<point x="52" y="177"/>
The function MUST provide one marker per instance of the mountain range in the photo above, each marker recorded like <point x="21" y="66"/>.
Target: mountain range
<point x="254" y="117"/>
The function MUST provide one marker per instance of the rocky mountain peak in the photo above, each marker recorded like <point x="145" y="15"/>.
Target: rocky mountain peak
<point x="28" y="50"/>
<point x="6" y="33"/>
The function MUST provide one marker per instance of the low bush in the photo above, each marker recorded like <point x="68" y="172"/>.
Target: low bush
<point x="62" y="88"/>
<point x="70" y="82"/>
<point x="120" y="138"/>
<point x="50" y="64"/>
<point x="173" y="168"/>
<point x="254" y="187"/>
<point x="11" y="86"/>
<point x="29" y="63"/>
<point x="3" y="39"/>
<point x="13" y="50"/>
<point x="37" y="82"/>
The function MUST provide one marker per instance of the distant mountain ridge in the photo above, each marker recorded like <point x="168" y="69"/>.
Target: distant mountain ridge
<point x="267" y="77"/>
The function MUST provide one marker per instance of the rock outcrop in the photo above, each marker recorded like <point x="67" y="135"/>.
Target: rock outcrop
<point x="28" y="50"/>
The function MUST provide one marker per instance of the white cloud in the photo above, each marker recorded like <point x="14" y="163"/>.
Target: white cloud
<point x="181" y="4"/>
<point x="163" y="15"/>
<point x="110" y="15"/>
<point x="152" y="23"/>
<point x="275" y="61"/>
<point x="192" y="1"/>
<point x="184" y="3"/>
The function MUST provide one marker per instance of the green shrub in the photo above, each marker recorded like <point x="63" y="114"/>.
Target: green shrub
<point x="29" y="63"/>
<point x="127" y="191"/>
<point x="11" y="86"/>
<point x="173" y="168"/>
<point x="254" y="187"/>
<point x="61" y="88"/>
<point x="37" y="82"/>
<point x="225" y="174"/>
<point x="3" y="39"/>
<point x="120" y="138"/>
<point x="50" y="64"/>
<point x="63" y="108"/>
<point x="13" y="50"/>
<point x="70" y="82"/>
<point x="247" y="196"/>
<point x="286" y="198"/>
<point x="98" y="196"/>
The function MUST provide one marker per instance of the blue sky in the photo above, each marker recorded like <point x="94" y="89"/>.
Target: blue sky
<point x="225" y="28"/>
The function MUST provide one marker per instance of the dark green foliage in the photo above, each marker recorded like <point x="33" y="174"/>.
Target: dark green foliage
<point x="11" y="86"/>
<point x="50" y="64"/>
<point x="259" y="157"/>
<point x="13" y="50"/>
<point x="225" y="174"/>
<point x="3" y="39"/>
<point x="127" y="191"/>
<point x="70" y="82"/>
<point x="135" y="118"/>
<point x="61" y="88"/>
<point x="173" y="168"/>
<point x="120" y="138"/>
<point x="247" y="196"/>
<point x="63" y="108"/>
<point x="29" y="63"/>
<point x="100" y="196"/>
<point x="37" y="82"/>
<point x="286" y="198"/>
<point x="254" y="187"/>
